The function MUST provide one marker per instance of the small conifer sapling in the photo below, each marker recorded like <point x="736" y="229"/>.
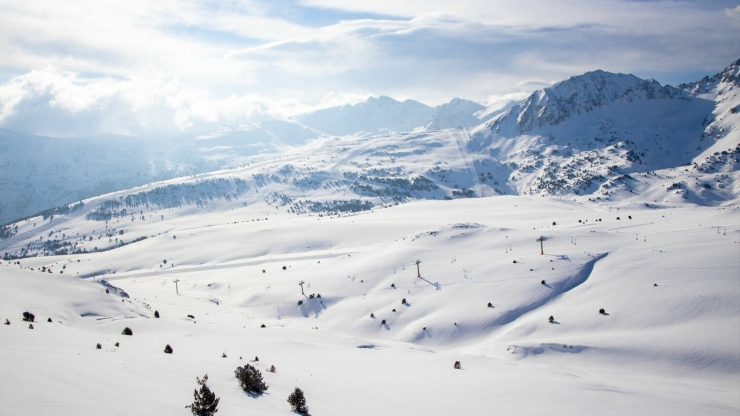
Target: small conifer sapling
<point x="250" y="379"/>
<point x="205" y="402"/>
<point x="298" y="401"/>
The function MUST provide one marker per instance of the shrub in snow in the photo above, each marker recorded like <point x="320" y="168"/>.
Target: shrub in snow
<point x="97" y="347"/>
<point x="554" y="223"/>
<point x="30" y="326"/>
<point x="514" y="262"/>
<point x="285" y="268"/>
<point x="48" y="320"/>
<point x="543" y="282"/>
<point x="490" y="305"/>
<point x="394" y="310"/>
<point x="117" y="344"/>
<point x="271" y="369"/>
<point x="403" y="301"/>
<point x="250" y="379"/>
<point x="223" y="355"/>
<point x="7" y="322"/>
<point x="263" y="326"/>
<point x="551" y="319"/>
<point x="107" y="291"/>
<point x="168" y="349"/>
<point x="300" y="302"/>
<point x="191" y="317"/>
<point x="382" y="322"/>
<point x="318" y="296"/>
<point x="602" y="311"/>
<point x="127" y="331"/>
<point x="457" y="365"/>
<point x="298" y="401"/>
<point x="156" y="314"/>
<point x="28" y="317"/>
<point x="618" y="218"/>
<point x="372" y="315"/>
<point x="205" y="402"/>
<point x="655" y="284"/>
<point x="424" y="329"/>
<point x="256" y="358"/>
<point x="393" y="285"/>
<point x="629" y="216"/>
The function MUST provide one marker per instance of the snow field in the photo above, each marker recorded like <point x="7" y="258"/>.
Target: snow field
<point x="666" y="349"/>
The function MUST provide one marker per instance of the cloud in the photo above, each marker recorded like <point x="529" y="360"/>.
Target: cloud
<point x="143" y="67"/>
<point x="55" y="103"/>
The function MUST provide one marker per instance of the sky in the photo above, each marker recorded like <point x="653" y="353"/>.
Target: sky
<point x="169" y="67"/>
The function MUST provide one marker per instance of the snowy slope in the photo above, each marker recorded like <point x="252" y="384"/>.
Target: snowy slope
<point x="665" y="349"/>
<point x="37" y="173"/>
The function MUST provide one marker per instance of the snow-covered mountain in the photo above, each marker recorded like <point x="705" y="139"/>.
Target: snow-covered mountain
<point x="596" y="133"/>
<point x="458" y="113"/>
<point x="599" y="135"/>
<point x="42" y="172"/>
<point x="376" y="115"/>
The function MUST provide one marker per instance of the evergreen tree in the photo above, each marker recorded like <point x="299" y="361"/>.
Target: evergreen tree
<point x="206" y="402"/>
<point x="250" y="379"/>
<point x="298" y="401"/>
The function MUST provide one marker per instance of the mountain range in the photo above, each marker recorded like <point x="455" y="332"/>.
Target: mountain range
<point x="592" y="134"/>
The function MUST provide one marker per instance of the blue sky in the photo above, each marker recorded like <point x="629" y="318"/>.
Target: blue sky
<point x="86" y="67"/>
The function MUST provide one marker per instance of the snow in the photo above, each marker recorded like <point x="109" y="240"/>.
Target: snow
<point x="667" y="349"/>
<point x="634" y="186"/>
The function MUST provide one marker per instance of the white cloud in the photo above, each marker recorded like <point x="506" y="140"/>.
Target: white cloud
<point x="168" y="66"/>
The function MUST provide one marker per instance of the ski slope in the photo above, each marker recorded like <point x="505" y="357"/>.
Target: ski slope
<point x="671" y="349"/>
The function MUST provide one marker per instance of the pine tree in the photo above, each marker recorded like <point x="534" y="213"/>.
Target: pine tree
<point x="206" y="402"/>
<point x="250" y="379"/>
<point x="298" y="401"/>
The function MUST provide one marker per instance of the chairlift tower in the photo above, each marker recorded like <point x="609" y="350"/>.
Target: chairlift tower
<point x="541" y="241"/>
<point x="418" y="271"/>
<point x="301" y="283"/>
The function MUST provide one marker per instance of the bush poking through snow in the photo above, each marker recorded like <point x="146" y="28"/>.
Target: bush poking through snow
<point x="48" y="320"/>
<point x="551" y="319"/>
<point x="490" y="305"/>
<point x="602" y="311"/>
<point x="457" y="365"/>
<point x="223" y="355"/>
<point x="205" y="402"/>
<point x="256" y="358"/>
<point x="382" y="322"/>
<point x="191" y="316"/>
<point x="372" y="315"/>
<point x="30" y="326"/>
<point x="28" y="317"/>
<point x="263" y="326"/>
<point x="168" y="349"/>
<point x="393" y="285"/>
<point x="250" y="379"/>
<point x="7" y="322"/>
<point x="156" y="314"/>
<point x="127" y="331"/>
<point x="300" y="302"/>
<point x="98" y="347"/>
<point x="543" y="281"/>
<point x="118" y="344"/>
<point x="298" y="401"/>
<point x="403" y="301"/>
<point x="271" y="369"/>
